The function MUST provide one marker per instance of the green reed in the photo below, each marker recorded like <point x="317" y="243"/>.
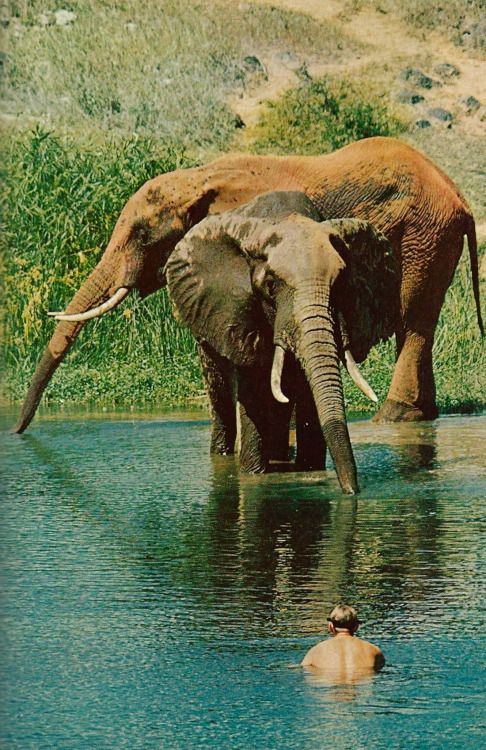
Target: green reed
<point x="59" y="209"/>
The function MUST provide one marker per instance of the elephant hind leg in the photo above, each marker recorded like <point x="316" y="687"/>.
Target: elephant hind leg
<point x="412" y="394"/>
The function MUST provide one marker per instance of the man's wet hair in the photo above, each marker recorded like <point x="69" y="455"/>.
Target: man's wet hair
<point x="344" y="618"/>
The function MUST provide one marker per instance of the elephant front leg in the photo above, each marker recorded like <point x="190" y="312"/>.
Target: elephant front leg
<point x="254" y="416"/>
<point x="217" y="374"/>
<point x="311" y="446"/>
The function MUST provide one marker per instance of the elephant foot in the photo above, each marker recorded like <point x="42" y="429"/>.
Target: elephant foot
<point x="395" y="411"/>
<point x="223" y="449"/>
<point x="257" y="467"/>
<point x="222" y="443"/>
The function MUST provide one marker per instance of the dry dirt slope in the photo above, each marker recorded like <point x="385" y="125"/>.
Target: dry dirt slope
<point x="390" y="48"/>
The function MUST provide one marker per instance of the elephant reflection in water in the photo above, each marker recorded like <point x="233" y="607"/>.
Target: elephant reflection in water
<point x="275" y="534"/>
<point x="274" y="541"/>
<point x="270" y="547"/>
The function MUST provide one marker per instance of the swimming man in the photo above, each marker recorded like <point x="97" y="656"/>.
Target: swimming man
<point x="344" y="658"/>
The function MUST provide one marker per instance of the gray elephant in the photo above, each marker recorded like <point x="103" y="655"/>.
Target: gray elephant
<point x="276" y="299"/>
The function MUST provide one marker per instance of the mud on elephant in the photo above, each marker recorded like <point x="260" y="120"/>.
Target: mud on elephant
<point x="381" y="180"/>
<point x="267" y="281"/>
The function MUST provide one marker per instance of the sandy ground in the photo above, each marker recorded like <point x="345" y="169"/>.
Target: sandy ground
<point x="391" y="47"/>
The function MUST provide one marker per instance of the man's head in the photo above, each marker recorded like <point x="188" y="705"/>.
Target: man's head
<point x="343" y="618"/>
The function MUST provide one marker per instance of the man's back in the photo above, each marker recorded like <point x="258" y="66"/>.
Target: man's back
<point x="344" y="658"/>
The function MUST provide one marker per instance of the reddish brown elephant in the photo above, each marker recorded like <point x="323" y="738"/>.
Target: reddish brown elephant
<point x="388" y="183"/>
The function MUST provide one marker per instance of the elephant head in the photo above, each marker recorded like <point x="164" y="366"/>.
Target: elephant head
<point x="148" y="228"/>
<point x="268" y="277"/>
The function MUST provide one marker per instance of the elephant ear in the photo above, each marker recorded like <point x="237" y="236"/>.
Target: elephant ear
<point x="210" y="287"/>
<point x="367" y="293"/>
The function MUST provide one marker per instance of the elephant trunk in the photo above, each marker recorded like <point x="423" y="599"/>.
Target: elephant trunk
<point x="318" y="353"/>
<point x="94" y="291"/>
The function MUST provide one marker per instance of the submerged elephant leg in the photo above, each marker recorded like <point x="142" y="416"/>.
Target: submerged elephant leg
<point x="217" y="373"/>
<point x="311" y="446"/>
<point x="279" y="429"/>
<point x="254" y="417"/>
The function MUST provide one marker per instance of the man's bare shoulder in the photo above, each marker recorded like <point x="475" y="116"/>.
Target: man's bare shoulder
<point x="316" y="653"/>
<point x="372" y="652"/>
<point x="366" y="644"/>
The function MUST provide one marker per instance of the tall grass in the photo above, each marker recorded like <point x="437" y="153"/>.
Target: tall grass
<point x="59" y="209"/>
<point x="58" y="213"/>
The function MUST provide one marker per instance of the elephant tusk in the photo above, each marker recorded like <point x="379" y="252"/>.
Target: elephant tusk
<point x="276" y="376"/>
<point x="95" y="312"/>
<point x="358" y="378"/>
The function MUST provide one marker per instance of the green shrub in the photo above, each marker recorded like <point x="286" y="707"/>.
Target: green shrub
<point x="319" y="117"/>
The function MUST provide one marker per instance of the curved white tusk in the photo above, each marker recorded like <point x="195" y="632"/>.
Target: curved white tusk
<point x="95" y="312"/>
<point x="276" y="376"/>
<point x="358" y="378"/>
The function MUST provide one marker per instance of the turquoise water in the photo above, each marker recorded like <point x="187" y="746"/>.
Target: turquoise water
<point x="156" y="599"/>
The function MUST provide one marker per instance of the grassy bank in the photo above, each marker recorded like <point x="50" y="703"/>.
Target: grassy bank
<point x="59" y="209"/>
<point x="124" y="93"/>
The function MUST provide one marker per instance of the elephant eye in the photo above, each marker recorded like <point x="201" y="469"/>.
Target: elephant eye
<point x="265" y="282"/>
<point x="268" y="287"/>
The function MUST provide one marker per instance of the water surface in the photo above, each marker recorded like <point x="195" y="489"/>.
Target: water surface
<point x="154" y="598"/>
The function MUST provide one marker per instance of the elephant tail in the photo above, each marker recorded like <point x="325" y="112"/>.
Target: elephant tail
<point x="473" y="257"/>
